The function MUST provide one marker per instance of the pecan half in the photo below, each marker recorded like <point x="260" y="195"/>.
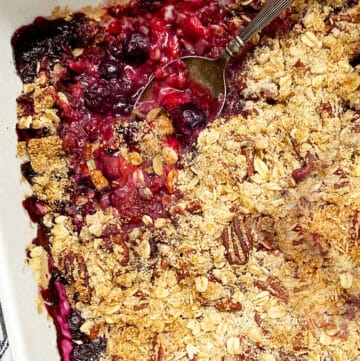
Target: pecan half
<point x="237" y="240"/>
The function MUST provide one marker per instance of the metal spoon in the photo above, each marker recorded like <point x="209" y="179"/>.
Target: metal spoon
<point x="211" y="72"/>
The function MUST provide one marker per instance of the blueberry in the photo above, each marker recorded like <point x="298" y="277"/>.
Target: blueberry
<point x="90" y="351"/>
<point x="126" y="87"/>
<point x="109" y="68"/>
<point x="75" y="321"/>
<point x="82" y="33"/>
<point x="115" y="48"/>
<point x="136" y="48"/>
<point x="28" y="172"/>
<point x="149" y="5"/>
<point x="129" y="134"/>
<point x="355" y="60"/>
<point x="187" y="117"/>
<point x="99" y="97"/>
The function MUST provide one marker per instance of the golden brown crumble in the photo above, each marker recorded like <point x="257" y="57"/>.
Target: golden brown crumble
<point x="50" y="165"/>
<point x="291" y="299"/>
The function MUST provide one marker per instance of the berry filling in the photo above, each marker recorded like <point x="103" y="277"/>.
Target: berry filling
<point x="173" y="88"/>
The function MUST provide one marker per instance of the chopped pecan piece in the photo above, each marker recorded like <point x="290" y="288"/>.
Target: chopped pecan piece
<point x="182" y="272"/>
<point x="299" y="64"/>
<point x="315" y="242"/>
<point x="74" y="268"/>
<point x="302" y="173"/>
<point x="154" y="250"/>
<point x="344" y="17"/>
<point x="326" y="108"/>
<point x="228" y="305"/>
<point x="237" y="240"/>
<point x="126" y="253"/>
<point x="140" y="306"/>
<point x="164" y="264"/>
<point x="94" y="332"/>
<point x="341" y="185"/>
<point x="355" y="229"/>
<point x="249" y="154"/>
<point x="353" y="308"/>
<point x="265" y="232"/>
<point x="274" y="287"/>
<point x="194" y="206"/>
<point x="157" y="350"/>
<point x="341" y="173"/>
<point x="107" y="244"/>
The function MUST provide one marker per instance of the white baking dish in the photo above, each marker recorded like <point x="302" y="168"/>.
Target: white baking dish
<point x="32" y="337"/>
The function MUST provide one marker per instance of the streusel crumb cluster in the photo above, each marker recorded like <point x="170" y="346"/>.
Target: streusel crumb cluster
<point x="260" y="256"/>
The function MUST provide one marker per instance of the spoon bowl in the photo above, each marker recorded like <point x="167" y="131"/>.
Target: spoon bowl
<point x="210" y="73"/>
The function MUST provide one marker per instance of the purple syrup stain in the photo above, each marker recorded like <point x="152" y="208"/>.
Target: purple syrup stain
<point x="64" y="304"/>
<point x="42" y="238"/>
<point x="66" y="348"/>
<point x="58" y="307"/>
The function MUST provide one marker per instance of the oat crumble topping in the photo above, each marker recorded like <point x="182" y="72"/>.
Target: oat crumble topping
<point x="286" y="169"/>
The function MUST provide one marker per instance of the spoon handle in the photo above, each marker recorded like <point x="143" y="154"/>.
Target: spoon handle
<point x="268" y="13"/>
